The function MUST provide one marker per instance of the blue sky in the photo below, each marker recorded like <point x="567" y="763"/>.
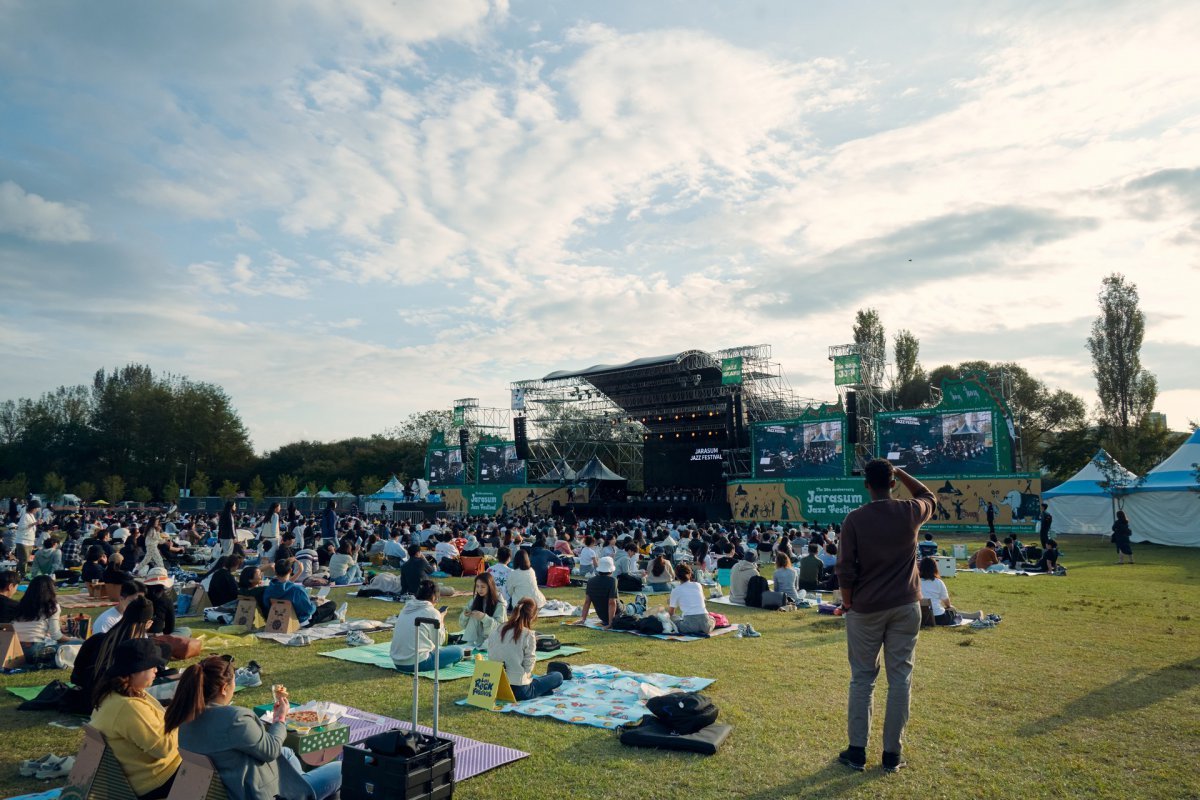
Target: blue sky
<point x="347" y="211"/>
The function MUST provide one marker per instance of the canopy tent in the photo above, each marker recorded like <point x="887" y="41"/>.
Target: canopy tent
<point x="1165" y="507"/>
<point x="595" y="470"/>
<point x="1081" y="504"/>
<point x="561" y="473"/>
<point x="392" y="490"/>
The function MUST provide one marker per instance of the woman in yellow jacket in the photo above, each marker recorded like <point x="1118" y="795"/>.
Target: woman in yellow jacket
<point x="133" y="722"/>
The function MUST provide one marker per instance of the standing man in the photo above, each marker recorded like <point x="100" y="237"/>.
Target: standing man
<point x="991" y="518"/>
<point x="329" y="523"/>
<point x="26" y="536"/>
<point x="877" y="572"/>
<point x="1047" y="518"/>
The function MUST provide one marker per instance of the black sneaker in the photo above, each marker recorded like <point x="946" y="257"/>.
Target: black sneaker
<point x="892" y="762"/>
<point x="854" y="757"/>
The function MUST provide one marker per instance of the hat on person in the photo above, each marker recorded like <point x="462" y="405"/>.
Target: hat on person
<point x="605" y="564"/>
<point x="158" y="577"/>
<point x="134" y="655"/>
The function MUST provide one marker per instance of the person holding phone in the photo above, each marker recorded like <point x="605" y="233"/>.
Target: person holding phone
<point x="415" y="644"/>
<point x="248" y="752"/>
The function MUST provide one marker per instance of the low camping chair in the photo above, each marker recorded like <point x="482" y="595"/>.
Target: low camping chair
<point x="927" y="613"/>
<point x="197" y="779"/>
<point x="97" y="775"/>
<point x="471" y="565"/>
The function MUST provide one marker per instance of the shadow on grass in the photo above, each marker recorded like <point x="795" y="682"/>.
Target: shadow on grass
<point x="828" y="780"/>
<point x="1133" y="692"/>
<point x="821" y="639"/>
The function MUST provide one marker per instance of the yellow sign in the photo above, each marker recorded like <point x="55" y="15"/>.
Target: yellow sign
<point x="489" y="686"/>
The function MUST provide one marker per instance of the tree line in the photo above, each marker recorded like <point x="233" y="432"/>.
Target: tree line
<point x="1058" y="431"/>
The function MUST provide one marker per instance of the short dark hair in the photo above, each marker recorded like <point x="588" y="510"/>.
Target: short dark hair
<point x="9" y="578"/>
<point x="879" y="474"/>
<point x="427" y="590"/>
<point x="927" y="569"/>
<point x="929" y="537"/>
<point x="132" y="588"/>
<point x="283" y="567"/>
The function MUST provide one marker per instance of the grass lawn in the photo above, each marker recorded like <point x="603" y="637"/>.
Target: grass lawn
<point x="1089" y="688"/>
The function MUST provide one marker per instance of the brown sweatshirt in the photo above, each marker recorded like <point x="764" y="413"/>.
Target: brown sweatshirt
<point x="877" y="552"/>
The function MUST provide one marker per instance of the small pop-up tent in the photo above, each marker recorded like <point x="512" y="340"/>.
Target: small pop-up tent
<point x="1084" y="503"/>
<point x="561" y="473"/>
<point x="1165" y="508"/>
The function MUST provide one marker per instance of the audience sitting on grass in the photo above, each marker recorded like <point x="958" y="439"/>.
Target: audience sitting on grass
<point x="501" y="570"/>
<point x="250" y="585"/>
<point x="96" y="654"/>
<point x="935" y="591"/>
<point x="111" y="616"/>
<point x="133" y="723"/>
<point x="660" y="575"/>
<point x="416" y="569"/>
<point x="740" y="574"/>
<point x="1012" y="553"/>
<point x="158" y="584"/>
<point x="8" y="587"/>
<point x="928" y="547"/>
<point x="446" y="556"/>
<point x="811" y="570"/>
<point x="36" y="621"/>
<point x="687" y="606"/>
<point x="522" y="581"/>
<point x="343" y="566"/>
<point x="588" y="556"/>
<point x="415" y="644"/>
<point x="541" y="558"/>
<point x="114" y="571"/>
<point x="984" y="557"/>
<point x="222" y="586"/>
<point x="1048" y="561"/>
<point x="47" y="560"/>
<point x="248" y="752"/>
<point x="786" y="577"/>
<point x="600" y="594"/>
<point x="283" y="587"/>
<point x="94" y="565"/>
<point x="483" y="612"/>
<point x="514" y="644"/>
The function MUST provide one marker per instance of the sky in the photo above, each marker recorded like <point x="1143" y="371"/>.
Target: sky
<point x="344" y="212"/>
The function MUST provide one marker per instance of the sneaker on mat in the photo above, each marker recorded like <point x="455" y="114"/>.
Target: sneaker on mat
<point x="358" y="639"/>
<point x="30" y="767"/>
<point x="892" y="762"/>
<point x="854" y="757"/>
<point x="741" y="631"/>
<point x="750" y="633"/>
<point x="59" y="769"/>
<point x="299" y="640"/>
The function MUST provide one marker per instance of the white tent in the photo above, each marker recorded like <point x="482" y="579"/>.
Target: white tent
<point x="1081" y="504"/>
<point x="1165" y="508"/>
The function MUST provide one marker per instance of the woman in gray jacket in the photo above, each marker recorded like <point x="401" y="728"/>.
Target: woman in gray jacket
<point x="248" y="753"/>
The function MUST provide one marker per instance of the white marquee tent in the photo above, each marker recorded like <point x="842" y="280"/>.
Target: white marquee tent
<point x="1081" y="504"/>
<point x="1165" y="508"/>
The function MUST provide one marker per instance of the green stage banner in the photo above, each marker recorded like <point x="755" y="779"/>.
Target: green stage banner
<point x="731" y="371"/>
<point x="460" y="416"/>
<point x="847" y="370"/>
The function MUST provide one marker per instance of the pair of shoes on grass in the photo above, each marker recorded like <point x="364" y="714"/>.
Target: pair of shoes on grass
<point x="746" y="631"/>
<point x="47" y="767"/>
<point x="856" y="759"/>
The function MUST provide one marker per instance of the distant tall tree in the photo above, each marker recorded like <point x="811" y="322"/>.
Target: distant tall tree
<point x="286" y="485"/>
<point x="258" y="490"/>
<point x="228" y="490"/>
<point x="369" y="484"/>
<point x="341" y="486"/>
<point x="1127" y="391"/>
<point x="141" y="494"/>
<point x="911" y="386"/>
<point x="53" y="486"/>
<point x="201" y="485"/>
<point x="872" y="341"/>
<point x="311" y="490"/>
<point x="114" y="489"/>
<point x="170" y="491"/>
<point x="86" y="490"/>
<point x="420" y="425"/>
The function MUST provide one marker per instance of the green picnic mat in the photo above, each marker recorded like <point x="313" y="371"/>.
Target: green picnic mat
<point x="379" y="655"/>
<point x="26" y="692"/>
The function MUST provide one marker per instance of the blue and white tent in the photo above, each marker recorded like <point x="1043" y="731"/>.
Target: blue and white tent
<point x="1165" y="508"/>
<point x="1083" y="504"/>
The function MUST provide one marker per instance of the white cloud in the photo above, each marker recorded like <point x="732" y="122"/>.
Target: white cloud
<point x="33" y="217"/>
<point x="277" y="277"/>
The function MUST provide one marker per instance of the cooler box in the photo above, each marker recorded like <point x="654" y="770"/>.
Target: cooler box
<point x="320" y="745"/>
<point x="946" y="566"/>
<point x="960" y="552"/>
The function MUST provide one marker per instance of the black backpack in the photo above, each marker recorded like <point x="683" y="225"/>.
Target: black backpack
<point x="629" y="583"/>
<point x="683" y="712"/>
<point x="625" y="622"/>
<point x="650" y="625"/>
<point x="754" y="591"/>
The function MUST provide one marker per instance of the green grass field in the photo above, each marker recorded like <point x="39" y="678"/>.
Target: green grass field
<point x="1089" y="688"/>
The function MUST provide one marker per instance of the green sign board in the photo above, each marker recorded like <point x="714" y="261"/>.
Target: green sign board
<point x="847" y="370"/>
<point x="460" y="416"/>
<point x="731" y="370"/>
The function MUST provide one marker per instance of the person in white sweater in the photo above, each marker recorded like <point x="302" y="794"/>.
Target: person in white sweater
<point x="484" y="613"/>
<point x="515" y="644"/>
<point x="522" y="581"/>
<point x="740" y="575"/>
<point x="412" y="642"/>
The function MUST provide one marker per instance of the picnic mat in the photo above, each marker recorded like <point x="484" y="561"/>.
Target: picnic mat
<point x="328" y="630"/>
<point x="725" y="601"/>
<point x="83" y="601"/>
<point x="391" y="598"/>
<point x="471" y="757"/>
<point x="379" y="655"/>
<point x="26" y="692"/>
<point x="49" y="794"/>
<point x="670" y="637"/>
<point x="1003" y="572"/>
<point x="602" y="696"/>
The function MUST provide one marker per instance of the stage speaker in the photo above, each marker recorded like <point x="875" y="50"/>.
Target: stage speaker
<point x="521" y="438"/>
<point x="852" y="417"/>
<point x="464" y="438"/>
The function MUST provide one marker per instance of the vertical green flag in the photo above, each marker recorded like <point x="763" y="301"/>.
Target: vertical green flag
<point x="459" y="416"/>
<point x="731" y="370"/>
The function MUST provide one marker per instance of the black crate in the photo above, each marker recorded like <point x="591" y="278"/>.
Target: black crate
<point x="373" y="770"/>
